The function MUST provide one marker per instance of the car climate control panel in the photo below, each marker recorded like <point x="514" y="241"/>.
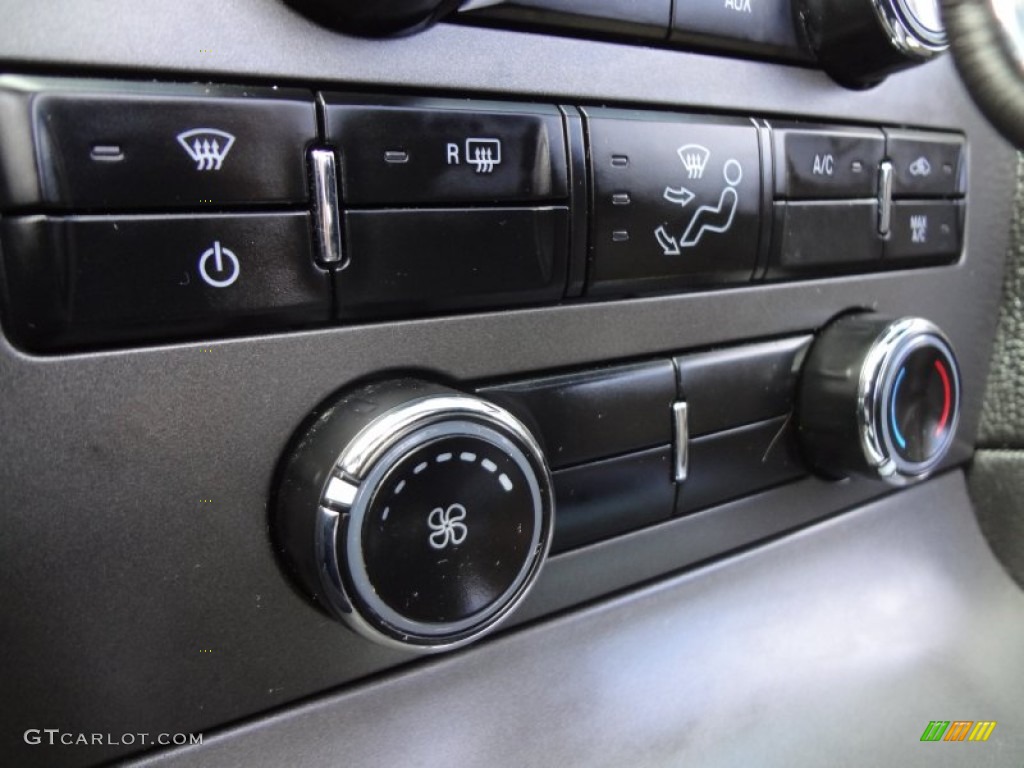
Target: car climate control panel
<point x="138" y="212"/>
<point x="419" y="513"/>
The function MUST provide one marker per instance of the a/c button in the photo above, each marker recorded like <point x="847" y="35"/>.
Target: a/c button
<point x="94" y="280"/>
<point x="823" y="163"/>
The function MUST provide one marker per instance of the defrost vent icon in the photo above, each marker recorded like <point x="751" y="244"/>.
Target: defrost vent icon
<point x="695" y="159"/>
<point x="208" y="147"/>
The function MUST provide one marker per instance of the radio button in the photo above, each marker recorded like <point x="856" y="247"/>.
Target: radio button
<point x="762" y="26"/>
<point x="738" y="462"/>
<point x="607" y="498"/>
<point x="585" y="416"/>
<point x="730" y="387"/>
<point x="649" y="18"/>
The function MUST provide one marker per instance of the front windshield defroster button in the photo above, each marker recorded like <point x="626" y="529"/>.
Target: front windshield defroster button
<point x="103" y="145"/>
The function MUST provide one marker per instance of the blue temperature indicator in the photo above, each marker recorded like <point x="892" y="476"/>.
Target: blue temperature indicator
<point x="892" y="409"/>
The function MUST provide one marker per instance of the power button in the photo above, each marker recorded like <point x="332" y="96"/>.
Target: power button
<point x="83" y="281"/>
<point x="219" y="266"/>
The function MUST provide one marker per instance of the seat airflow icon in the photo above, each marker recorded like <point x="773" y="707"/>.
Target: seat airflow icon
<point x="208" y="147"/>
<point x="707" y="219"/>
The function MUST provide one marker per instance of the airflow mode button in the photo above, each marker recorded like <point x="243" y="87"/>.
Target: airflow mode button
<point x="677" y="201"/>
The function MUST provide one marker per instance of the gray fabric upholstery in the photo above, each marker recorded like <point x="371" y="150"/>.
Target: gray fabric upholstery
<point x="1002" y="419"/>
<point x="997" y="472"/>
<point x="997" y="487"/>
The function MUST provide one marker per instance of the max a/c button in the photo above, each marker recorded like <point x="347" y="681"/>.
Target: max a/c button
<point x="931" y="231"/>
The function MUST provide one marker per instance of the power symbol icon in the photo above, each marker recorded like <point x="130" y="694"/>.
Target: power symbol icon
<point x="223" y="270"/>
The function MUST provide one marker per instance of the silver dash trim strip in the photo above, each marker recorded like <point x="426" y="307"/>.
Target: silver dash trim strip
<point x="326" y="212"/>
<point x="884" y="198"/>
<point x="682" y="440"/>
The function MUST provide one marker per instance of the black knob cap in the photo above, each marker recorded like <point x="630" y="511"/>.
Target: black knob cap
<point x="375" y="18"/>
<point x="859" y="42"/>
<point x="417" y="515"/>
<point x="879" y="397"/>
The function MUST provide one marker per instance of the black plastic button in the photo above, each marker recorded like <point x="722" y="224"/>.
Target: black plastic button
<point x="732" y="464"/>
<point x="818" y="163"/>
<point x="649" y="18"/>
<point x="740" y="385"/>
<point x="124" y="146"/>
<point x="406" y="150"/>
<point x="445" y="538"/>
<point x="763" y="26"/>
<point x="585" y="416"/>
<point x="404" y="263"/>
<point x="825" y="237"/>
<point x="677" y="201"/>
<point x="929" y="231"/>
<point x="95" y="280"/>
<point x="607" y="498"/>
<point x="926" y="164"/>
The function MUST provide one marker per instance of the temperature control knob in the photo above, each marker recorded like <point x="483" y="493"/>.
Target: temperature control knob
<point x="417" y="515"/>
<point x="879" y="397"/>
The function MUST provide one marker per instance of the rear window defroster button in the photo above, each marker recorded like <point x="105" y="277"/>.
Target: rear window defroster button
<point x="405" y="151"/>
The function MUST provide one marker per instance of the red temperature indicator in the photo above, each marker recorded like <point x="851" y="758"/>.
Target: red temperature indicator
<point x="921" y="405"/>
